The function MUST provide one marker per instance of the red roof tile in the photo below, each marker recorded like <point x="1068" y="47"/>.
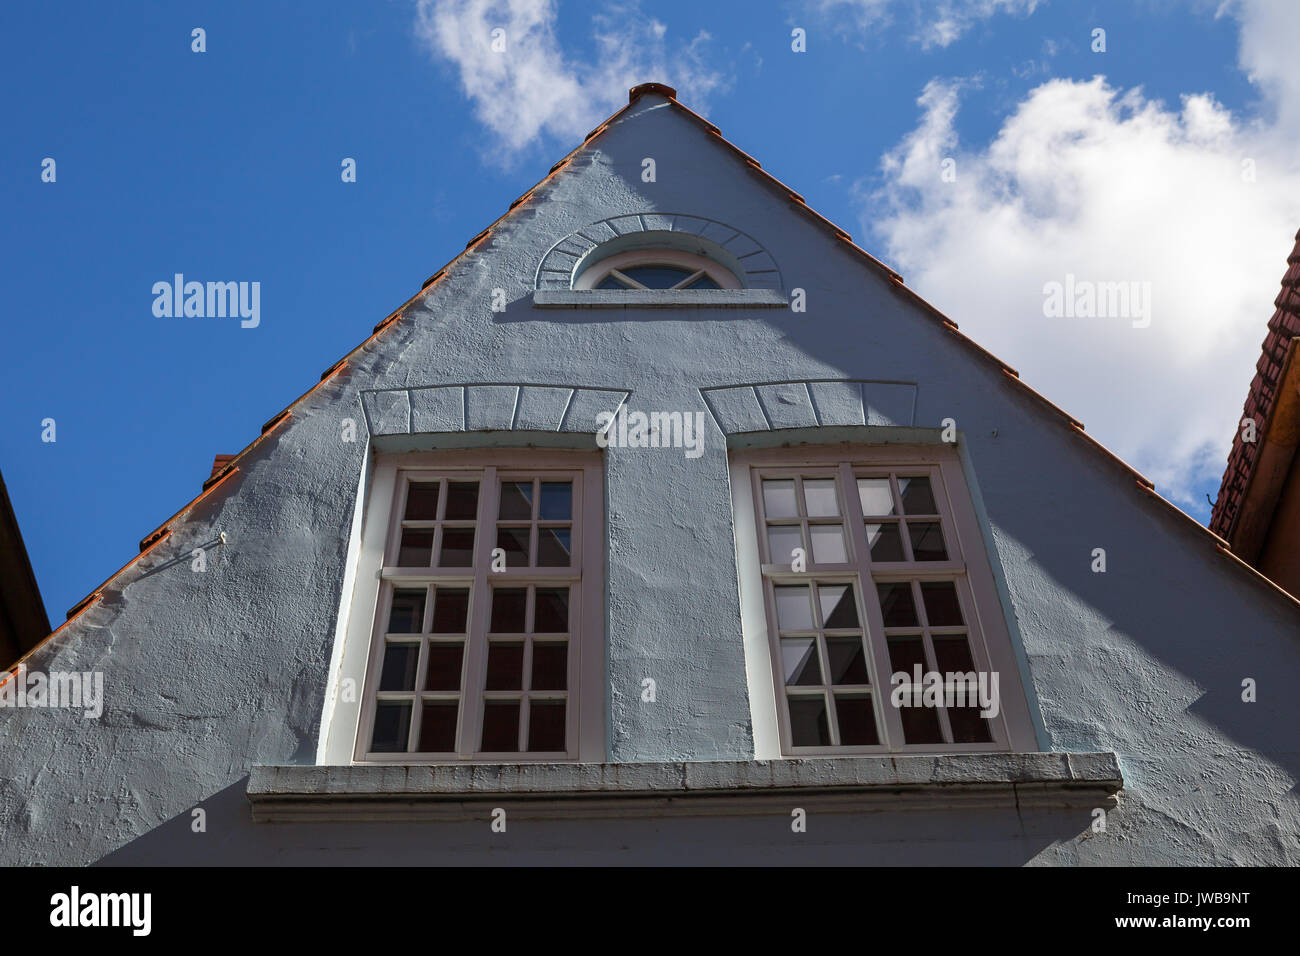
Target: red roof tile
<point x="1282" y="328"/>
<point x="219" y="463"/>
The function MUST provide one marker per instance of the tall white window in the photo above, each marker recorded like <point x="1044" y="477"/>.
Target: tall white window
<point x="869" y="564"/>
<point x="488" y="628"/>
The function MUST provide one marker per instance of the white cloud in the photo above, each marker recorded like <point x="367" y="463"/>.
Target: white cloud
<point x="532" y="89"/>
<point x="1111" y="186"/>
<point x="1270" y="34"/>
<point x="935" y="22"/>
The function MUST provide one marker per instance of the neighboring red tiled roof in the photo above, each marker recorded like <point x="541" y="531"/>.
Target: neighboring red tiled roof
<point x="1282" y="328"/>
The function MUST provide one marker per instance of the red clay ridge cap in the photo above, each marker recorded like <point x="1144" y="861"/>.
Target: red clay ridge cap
<point x="334" y="369"/>
<point x="219" y="464"/>
<point x="663" y="89"/>
<point x="275" y="421"/>
<point x="155" y="537"/>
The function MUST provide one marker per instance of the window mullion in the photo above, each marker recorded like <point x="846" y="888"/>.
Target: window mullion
<point x="887" y="716"/>
<point x="471" y="720"/>
<point x="689" y="279"/>
<point x="621" y="277"/>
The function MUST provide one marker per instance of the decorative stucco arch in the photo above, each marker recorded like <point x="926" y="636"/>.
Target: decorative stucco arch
<point x="736" y="250"/>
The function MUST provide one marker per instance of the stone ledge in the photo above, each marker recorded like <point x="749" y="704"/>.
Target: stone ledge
<point x="656" y="299"/>
<point x="373" y="792"/>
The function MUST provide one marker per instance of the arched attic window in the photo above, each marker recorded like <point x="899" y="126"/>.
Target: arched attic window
<point x="656" y="270"/>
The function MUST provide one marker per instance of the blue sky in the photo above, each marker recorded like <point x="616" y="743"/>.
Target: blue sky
<point x="224" y="165"/>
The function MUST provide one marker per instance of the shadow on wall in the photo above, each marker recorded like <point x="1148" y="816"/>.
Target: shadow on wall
<point x="1003" y="837"/>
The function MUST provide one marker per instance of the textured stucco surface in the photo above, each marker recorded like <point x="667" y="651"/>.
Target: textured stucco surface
<point x="207" y="675"/>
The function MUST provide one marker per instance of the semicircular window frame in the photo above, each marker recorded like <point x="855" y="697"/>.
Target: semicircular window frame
<point x="622" y="268"/>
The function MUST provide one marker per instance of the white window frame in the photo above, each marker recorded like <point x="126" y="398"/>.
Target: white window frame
<point x="585" y="708"/>
<point x="968" y="567"/>
<point x="697" y="265"/>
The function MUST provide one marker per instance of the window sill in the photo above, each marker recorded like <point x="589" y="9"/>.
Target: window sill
<point x="457" y="792"/>
<point x="656" y="299"/>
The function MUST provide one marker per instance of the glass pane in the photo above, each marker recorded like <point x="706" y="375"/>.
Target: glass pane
<point x="941" y="605"/>
<point x="918" y="497"/>
<point x="793" y="609"/>
<point x="505" y="668"/>
<point x="557" y="501"/>
<point x="819" y="496"/>
<point x="799" y="658"/>
<point x="400" y="661"/>
<point x="546" y="726"/>
<point x="516" y="500"/>
<point x="885" y="542"/>
<point x="657" y="277"/>
<point x="553" y="548"/>
<point x="896" y="604"/>
<point x="508" y="605"/>
<point x="514" y="542"/>
<point x="392" y="727"/>
<point x="443" y="672"/>
<point x="609" y="282"/>
<point x="927" y="541"/>
<point x="703" y="282"/>
<point x="422" y="501"/>
<point x="848" y="661"/>
<point x="457" y="548"/>
<point x="839" y="609"/>
<point x="905" y="653"/>
<point x="451" y="611"/>
<point x="921" y="725"/>
<point x="828" y="544"/>
<point x="500" y="726"/>
<point x="550" y="666"/>
<point x="462" y="500"/>
<point x="857" y="721"/>
<point x="407" y="614"/>
<point x="416" y="549"/>
<point x="551" y="611"/>
<point x="952" y="655"/>
<point x="809" y="726"/>
<point x="875" y="496"/>
<point x="778" y="498"/>
<point x="782" y="540"/>
<point x="968" y="727"/>
<point x="438" y="727"/>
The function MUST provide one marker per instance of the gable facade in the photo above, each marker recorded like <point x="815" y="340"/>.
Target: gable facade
<point x="243" y="689"/>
